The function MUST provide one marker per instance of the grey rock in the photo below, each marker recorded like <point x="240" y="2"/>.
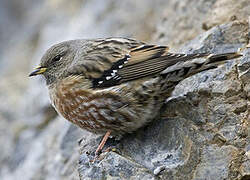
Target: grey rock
<point x="214" y="162"/>
<point x="183" y="20"/>
<point x="199" y="134"/>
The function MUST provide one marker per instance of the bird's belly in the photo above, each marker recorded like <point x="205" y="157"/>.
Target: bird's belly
<point x="96" y="112"/>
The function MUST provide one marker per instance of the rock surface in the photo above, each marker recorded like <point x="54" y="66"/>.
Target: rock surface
<point x="203" y="131"/>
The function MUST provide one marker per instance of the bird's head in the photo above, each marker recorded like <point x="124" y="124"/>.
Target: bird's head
<point x="56" y="61"/>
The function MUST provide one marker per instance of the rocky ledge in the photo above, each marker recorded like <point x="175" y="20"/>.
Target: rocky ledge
<point x="203" y="130"/>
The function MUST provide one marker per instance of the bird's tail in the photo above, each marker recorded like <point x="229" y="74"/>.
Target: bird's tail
<point x="192" y="64"/>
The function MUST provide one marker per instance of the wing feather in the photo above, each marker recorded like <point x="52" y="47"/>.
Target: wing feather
<point x="112" y="61"/>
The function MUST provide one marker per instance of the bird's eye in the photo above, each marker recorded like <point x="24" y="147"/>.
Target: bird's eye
<point x="57" y="58"/>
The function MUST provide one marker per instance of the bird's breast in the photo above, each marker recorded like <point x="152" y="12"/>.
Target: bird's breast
<point x="95" y="111"/>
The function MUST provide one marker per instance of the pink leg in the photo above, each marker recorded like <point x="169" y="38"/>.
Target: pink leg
<point x="101" y="145"/>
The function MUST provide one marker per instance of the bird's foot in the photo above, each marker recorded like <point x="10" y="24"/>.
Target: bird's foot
<point x="102" y="154"/>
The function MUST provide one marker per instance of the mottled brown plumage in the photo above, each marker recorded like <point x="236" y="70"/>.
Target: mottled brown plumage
<point x="116" y="85"/>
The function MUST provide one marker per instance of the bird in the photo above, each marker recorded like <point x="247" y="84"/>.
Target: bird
<point x="113" y="86"/>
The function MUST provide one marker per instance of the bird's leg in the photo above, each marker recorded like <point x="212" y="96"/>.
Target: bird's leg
<point x="101" y="145"/>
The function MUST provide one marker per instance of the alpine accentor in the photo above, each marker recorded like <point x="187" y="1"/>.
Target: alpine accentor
<point x="116" y="85"/>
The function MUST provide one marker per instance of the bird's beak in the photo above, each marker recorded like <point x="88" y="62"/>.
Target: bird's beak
<point x="38" y="70"/>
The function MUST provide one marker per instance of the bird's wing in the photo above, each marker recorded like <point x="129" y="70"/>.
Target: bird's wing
<point x="108" y="62"/>
<point x="114" y="61"/>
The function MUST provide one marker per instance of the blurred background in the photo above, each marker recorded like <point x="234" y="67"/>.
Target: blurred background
<point x="31" y="134"/>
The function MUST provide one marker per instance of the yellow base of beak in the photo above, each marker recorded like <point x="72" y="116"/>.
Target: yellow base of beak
<point x="38" y="70"/>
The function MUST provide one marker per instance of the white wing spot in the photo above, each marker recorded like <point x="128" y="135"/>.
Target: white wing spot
<point x="100" y="82"/>
<point x="108" y="77"/>
<point x="120" y="66"/>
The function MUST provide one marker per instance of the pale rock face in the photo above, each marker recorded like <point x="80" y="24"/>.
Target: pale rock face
<point x="203" y="132"/>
